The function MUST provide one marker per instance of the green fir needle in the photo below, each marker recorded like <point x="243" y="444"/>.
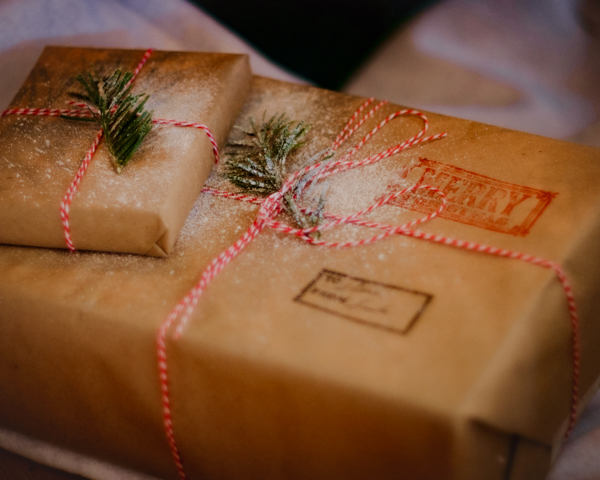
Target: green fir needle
<point x="263" y="166"/>
<point x="121" y="115"/>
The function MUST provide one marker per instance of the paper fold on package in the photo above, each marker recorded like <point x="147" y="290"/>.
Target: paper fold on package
<point x="307" y="362"/>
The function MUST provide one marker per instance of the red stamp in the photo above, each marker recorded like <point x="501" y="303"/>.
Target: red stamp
<point x="474" y="199"/>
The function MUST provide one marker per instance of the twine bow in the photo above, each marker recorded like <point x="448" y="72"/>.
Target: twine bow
<point x="272" y="206"/>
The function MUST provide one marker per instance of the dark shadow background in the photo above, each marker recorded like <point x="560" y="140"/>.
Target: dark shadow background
<point x="324" y="41"/>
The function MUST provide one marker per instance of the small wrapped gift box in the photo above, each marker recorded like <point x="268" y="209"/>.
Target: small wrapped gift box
<point x="404" y="358"/>
<point x="142" y="209"/>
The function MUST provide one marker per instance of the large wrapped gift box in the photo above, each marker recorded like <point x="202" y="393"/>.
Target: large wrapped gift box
<point x="399" y="359"/>
<point x="143" y="209"/>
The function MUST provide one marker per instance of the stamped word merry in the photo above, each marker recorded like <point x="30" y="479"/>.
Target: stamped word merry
<point x="475" y="199"/>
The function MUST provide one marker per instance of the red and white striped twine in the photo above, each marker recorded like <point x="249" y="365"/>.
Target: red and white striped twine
<point x="177" y="123"/>
<point x="271" y="206"/>
<point x="65" y="204"/>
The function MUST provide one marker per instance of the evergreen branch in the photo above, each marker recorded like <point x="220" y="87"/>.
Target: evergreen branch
<point x="261" y="168"/>
<point x="121" y="115"/>
<point x="266" y="155"/>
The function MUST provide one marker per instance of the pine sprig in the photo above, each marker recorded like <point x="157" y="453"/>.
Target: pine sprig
<point x="120" y="114"/>
<point x="263" y="167"/>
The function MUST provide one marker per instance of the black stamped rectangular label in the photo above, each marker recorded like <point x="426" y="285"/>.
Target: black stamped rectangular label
<point x="376" y="304"/>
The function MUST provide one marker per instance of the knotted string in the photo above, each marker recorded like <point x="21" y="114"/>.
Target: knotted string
<point x="272" y="206"/>
<point x="65" y="204"/>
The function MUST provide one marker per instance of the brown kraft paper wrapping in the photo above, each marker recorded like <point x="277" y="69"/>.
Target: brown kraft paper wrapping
<point x="143" y="209"/>
<point x="400" y="359"/>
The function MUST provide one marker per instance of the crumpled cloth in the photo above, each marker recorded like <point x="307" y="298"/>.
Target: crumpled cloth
<point x="26" y="26"/>
<point x="527" y="65"/>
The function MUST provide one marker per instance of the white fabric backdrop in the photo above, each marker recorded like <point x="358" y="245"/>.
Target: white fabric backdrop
<point x="26" y="26"/>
